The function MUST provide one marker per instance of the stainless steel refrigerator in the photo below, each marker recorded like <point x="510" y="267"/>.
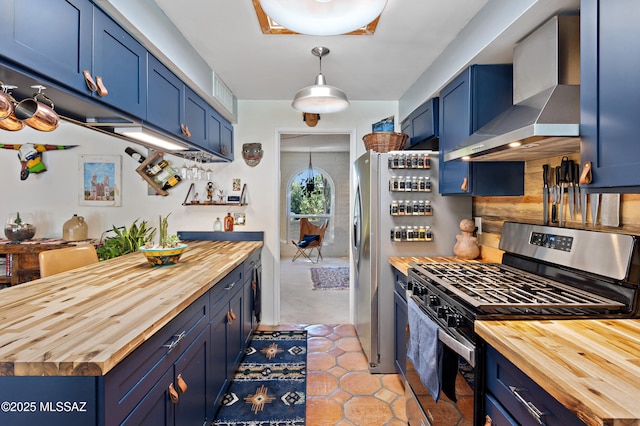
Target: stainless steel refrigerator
<point x="397" y="212"/>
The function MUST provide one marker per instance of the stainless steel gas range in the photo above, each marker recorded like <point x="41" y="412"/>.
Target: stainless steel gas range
<point x="546" y="272"/>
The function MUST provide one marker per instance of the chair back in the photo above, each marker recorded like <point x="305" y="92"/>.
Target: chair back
<point x="308" y="228"/>
<point x="64" y="259"/>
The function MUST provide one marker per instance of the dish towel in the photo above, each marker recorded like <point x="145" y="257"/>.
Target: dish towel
<point x="425" y="350"/>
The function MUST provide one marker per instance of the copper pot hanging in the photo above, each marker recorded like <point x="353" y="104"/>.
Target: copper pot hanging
<point x="37" y="115"/>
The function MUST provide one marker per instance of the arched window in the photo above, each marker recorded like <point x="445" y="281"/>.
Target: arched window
<point x="310" y="194"/>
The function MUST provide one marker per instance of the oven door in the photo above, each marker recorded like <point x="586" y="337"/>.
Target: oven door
<point x="420" y="405"/>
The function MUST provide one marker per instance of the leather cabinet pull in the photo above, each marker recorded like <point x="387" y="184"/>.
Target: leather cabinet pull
<point x="185" y="131"/>
<point x="488" y="421"/>
<point x="465" y="184"/>
<point x="586" y="177"/>
<point x="182" y="385"/>
<point x="102" y="90"/>
<point x="91" y="85"/>
<point x="233" y="315"/>
<point x="173" y="395"/>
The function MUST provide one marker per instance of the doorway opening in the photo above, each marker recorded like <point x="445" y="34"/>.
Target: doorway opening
<point x="325" y="159"/>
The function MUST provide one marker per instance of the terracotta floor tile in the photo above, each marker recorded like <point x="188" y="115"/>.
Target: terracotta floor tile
<point x="393" y="382"/>
<point x="386" y="395"/>
<point x="349" y="344"/>
<point x="323" y="412"/>
<point x="320" y="362"/>
<point x="360" y="383"/>
<point x="345" y="423"/>
<point x="338" y="371"/>
<point x="319" y="344"/>
<point x="341" y="396"/>
<point x="321" y="383"/>
<point x="335" y="351"/>
<point x="345" y="330"/>
<point x="399" y="408"/>
<point x="319" y="330"/>
<point x="367" y="410"/>
<point x="353" y="361"/>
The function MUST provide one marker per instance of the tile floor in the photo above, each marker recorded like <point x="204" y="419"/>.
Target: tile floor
<point x="340" y="389"/>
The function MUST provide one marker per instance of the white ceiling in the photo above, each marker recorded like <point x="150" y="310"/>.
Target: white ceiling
<point x="409" y="37"/>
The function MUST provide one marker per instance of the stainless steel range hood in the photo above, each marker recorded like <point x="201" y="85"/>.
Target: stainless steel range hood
<point x="545" y="118"/>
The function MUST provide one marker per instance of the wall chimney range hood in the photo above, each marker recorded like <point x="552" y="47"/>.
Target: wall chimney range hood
<point x="545" y="118"/>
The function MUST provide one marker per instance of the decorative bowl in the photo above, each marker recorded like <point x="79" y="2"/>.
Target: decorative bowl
<point x="163" y="256"/>
<point x="19" y="227"/>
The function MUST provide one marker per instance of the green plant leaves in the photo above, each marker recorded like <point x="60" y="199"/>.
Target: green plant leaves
<point x="126" y="240"/>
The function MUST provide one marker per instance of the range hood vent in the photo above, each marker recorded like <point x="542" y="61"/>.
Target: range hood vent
<point x="545" y="118"/>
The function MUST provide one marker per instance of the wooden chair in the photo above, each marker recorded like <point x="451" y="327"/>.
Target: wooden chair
<point x="311" y="237"/>
<point x="64" y="259"/>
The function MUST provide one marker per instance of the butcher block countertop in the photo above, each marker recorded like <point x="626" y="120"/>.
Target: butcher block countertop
<point x="84" y="322"/>
<point x="402" y="263"/>
<point x="592" y="367"/>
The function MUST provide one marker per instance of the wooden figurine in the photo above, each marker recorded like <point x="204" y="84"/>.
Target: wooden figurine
<point x="466" y="245"/>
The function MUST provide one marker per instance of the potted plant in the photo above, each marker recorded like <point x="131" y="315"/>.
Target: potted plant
<point x="125" y="240"/>
<point x="169" y="247"/>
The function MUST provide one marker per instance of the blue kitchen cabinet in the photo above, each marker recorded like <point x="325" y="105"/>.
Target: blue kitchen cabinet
<point x="470" y="101"/>
<point x="50" y="37"/>
<point x="422" y="124"/>
<point x="610" y="93"/>
<point x="220" y="134"/>
<point x="121" y="62"/>
<point x="165" y="106"/>
<point x="60" y="39"/>
<point x="196" y="111"/>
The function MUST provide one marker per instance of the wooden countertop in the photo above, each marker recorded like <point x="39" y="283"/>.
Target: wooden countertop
<point x="592" y="367"/>
<point x="84" y="322"/>
<point x="402" y="263"/>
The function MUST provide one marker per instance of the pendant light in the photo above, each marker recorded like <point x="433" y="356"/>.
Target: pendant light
<point x="323" y="17"/>
<point x="310" y="185"/>
<point x="320" y="98"/>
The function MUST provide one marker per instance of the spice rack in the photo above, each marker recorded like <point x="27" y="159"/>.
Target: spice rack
<point x="211" y="203"/>
<point x="141" y="170"/>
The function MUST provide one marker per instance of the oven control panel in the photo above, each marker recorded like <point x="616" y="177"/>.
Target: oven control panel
<point x="555" y="242"/>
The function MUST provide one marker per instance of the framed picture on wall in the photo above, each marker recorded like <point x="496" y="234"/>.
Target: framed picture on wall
<point x="100" y="180"/>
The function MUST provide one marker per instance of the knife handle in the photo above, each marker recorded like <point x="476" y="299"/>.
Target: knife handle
<point x="558" y="172"/>
<point x="576" y="173"/>
<point x="564" y="169"/>
<point x="569" y="171"/>
<point x="545" y="174"/>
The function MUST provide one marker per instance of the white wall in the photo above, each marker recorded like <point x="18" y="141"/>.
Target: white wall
<point x="53" y="195"/>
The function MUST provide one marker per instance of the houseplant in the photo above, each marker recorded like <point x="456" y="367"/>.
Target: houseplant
<point x="125" y="240"/>
<point x="169" y="247"/>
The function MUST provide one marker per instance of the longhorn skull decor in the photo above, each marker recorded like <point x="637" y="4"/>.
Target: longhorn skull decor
<point x="30" y="156"/>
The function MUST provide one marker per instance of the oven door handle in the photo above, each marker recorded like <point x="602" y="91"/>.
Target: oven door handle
<point x="466" y="351"/>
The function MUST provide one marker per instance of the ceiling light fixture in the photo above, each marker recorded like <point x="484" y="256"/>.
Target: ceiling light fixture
<point x="151" y="138"/>
<point x="323" y="17"/>
<point x="320" y="98"/>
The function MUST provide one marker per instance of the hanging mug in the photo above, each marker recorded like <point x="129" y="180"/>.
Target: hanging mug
<point x="36" y="114"/>
<point x="8" y="120"/>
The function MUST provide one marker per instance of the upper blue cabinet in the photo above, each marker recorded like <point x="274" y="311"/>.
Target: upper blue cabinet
<point x="175" y="108"/>
<point x="64" y="40"/>
<point x="470" y="101"/>
<point x="422" y="125"/>
<point x="610" y="93"/>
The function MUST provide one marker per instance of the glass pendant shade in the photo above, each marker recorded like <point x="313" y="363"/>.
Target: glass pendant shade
<point x="323" y="17"/>
<point x="320" y="98"/>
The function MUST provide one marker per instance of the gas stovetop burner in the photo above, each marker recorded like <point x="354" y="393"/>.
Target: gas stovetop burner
<point x="492" y="285"/>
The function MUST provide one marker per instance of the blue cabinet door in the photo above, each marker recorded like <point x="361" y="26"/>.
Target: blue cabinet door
<point x="195" y="119"/>
<point x="469" y="102"/>
<point x="218" y="358"/>
<point x="220" y="134"/>
<point x="193" y="407"/>
<point x="165" y="107"/>
<point x="610" y="93"/>
<point x="121" y="62"/>
<point x="155" y="408"/>
<point x="235" y="341"/>
<point x="226" y="139"/>
<point x="423" y="122"/>
<point x="50" y="37"/>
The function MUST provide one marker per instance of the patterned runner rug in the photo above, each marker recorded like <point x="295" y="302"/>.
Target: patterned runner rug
<point x="269" y="387"/>
<point x="330" y="278"/>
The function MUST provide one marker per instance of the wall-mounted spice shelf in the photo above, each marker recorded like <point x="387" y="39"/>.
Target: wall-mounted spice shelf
<point x="211" y="203"/>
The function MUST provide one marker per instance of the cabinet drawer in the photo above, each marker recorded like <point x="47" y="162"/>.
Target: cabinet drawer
<point x="130" y="380"/>
<point x="499" y="416"/>
<point x="220" y="294"/>
<point x="505" y="381"/>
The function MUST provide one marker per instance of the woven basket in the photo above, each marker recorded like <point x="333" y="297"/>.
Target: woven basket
<point x="384" y="141"/>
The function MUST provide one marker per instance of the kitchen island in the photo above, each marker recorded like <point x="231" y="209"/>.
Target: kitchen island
<point x="86" y="346"/>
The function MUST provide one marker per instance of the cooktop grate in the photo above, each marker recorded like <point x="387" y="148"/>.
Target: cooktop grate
<point x="491" y="285"/>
